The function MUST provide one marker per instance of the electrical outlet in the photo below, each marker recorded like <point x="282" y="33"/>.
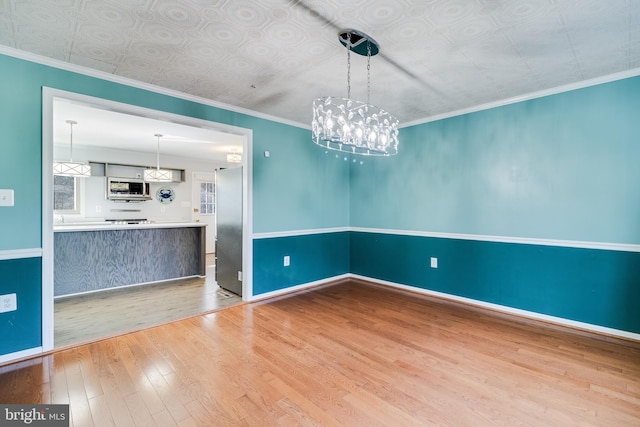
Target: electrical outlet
<point x="434" y="262"/>
<point x="98" y="208"/>
<point x="287" y="261"/>
<point x="8" y="302"/>
<point x="239" y="276"/>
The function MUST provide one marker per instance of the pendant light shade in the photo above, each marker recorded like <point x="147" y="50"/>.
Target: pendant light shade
<point x="79" y="170"/>
<point x="157" y="174"/>
<point x="71" y="168"/>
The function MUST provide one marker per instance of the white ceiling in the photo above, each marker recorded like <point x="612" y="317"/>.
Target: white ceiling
<point x="99" y="127"/>
<point x="276" y="56"/>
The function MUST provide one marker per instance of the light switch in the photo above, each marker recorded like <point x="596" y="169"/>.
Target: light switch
<point x="6" y="197"/>
<point x="287" y="261"/>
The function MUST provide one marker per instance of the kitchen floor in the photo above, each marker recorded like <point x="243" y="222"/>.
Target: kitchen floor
<point x="86" y="318"/>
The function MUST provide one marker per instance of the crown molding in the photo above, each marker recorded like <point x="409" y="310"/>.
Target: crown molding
<point x="79" y="69"/>
<point x="526" y="97"/>
<point x="32" y="57"/>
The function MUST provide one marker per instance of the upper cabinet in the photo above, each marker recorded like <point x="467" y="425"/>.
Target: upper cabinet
<point x="130" y="171"/>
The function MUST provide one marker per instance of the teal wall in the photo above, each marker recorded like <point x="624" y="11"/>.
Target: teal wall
<point x="563" y="167"/>
<point x="558" y="167"/>
<point x="293" y="189"/>
<point x="312" y="257"/>
<point x="594" y="286"/>
<point x="21" y="329"/>
<point x="312" y="199"/>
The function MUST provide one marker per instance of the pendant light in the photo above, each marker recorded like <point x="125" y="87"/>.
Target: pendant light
<point x="71" y="168"/>
<point x="157" y="174"/>
<point x="234" y="156"/>
<point x="352" y="126"/>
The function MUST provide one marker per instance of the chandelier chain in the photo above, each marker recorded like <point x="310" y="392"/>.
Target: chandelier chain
<point x="368" y="72"/>
<point x="349" y="66"/>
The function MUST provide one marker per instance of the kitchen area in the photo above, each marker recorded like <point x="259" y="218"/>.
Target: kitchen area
<point x="134" y="221"/>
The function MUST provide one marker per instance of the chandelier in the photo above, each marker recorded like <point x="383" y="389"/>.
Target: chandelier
<point x="352" y="126"/>
<point x="71" y="168"/>
<point x="157" y="174"/>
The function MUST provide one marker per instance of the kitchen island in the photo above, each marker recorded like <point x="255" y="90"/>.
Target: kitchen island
<point x="96" y="256"/>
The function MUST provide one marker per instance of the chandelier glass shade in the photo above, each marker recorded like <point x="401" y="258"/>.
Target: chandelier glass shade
<point x="71" y="168"/>
<point x="352" y="126"/>
<point x="157" y="174"/>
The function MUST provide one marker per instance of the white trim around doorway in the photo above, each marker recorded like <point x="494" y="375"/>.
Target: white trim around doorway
<point x="48" y="96"/>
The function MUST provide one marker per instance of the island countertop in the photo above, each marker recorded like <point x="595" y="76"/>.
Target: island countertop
<point x="100" y="226"/>
<point x="100" y="256"/>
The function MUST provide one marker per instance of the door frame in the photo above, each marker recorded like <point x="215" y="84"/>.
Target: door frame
<point x="197" y="176"/>
<point x="48" y="97"/>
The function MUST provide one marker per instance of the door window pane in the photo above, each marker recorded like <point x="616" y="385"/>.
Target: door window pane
<point x="207" y="198"/>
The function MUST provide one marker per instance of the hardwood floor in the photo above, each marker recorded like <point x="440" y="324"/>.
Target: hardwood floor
<point x="348" y="354"/>
<point x="83" y="318"/>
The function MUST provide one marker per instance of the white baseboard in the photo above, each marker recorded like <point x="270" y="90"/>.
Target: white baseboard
<point x="477" y="303"/>
<point x="299" y="287"/>
<point x="133" y="285"/>
<point x="508" y="310"/>
<point x="12" y="357"/>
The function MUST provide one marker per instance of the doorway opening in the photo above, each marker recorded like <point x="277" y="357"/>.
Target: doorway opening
<point x="55" y="100"/>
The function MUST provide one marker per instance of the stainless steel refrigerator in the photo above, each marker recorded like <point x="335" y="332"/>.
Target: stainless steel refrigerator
<point x="229" y="229"/>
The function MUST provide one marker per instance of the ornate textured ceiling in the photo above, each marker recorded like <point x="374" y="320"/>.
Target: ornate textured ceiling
<point x="275" y="56"/>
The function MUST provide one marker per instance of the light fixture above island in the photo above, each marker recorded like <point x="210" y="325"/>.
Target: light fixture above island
<point x="157" y="174"/>
<point x="71" y="168"/>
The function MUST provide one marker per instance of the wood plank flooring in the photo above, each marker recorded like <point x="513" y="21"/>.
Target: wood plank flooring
<point x="84" y="318"/>
<point x="350" y="354"/>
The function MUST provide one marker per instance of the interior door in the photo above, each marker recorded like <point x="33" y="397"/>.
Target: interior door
<point x="203" y="191"/>
<point x="229" y="229"/>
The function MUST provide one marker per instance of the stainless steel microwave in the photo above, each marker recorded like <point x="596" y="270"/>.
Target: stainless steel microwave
<point x="127" y="190"/>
